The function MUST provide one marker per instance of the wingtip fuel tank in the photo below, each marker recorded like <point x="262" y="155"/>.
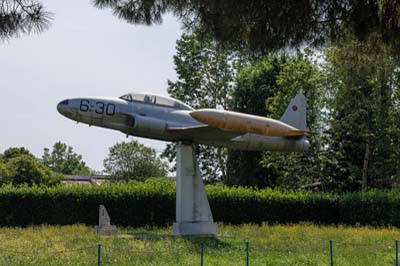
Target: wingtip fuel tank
<point x="245" y="123"/>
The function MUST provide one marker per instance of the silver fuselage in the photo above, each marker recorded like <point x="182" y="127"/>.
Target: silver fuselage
<point x="164" y="123"/>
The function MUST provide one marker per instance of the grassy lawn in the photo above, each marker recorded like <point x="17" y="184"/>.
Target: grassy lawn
<point x="269" y="245"/>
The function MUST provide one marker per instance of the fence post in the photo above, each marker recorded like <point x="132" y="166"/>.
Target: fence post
<point x="202" y="254"/>
<point x="98" y="254"/>
<point x="397" y="252"/>
<point x="247" y="253"/>
<point x="331" y="251"/>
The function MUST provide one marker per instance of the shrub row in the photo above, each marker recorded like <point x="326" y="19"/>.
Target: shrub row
<point x="153" y="203"/>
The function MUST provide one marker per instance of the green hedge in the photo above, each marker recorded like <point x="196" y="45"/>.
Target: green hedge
<point x="153" y="203"/>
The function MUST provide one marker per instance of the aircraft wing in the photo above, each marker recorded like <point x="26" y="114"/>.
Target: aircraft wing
<point x="204" y="132"/>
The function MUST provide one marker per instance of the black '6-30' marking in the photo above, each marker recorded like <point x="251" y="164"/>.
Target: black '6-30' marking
<point x="101" y="108"/>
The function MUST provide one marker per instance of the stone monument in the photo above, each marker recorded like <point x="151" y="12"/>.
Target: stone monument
<point x="104" y="226"/>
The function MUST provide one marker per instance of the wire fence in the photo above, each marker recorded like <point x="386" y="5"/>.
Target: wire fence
<point x="245" y="253"/>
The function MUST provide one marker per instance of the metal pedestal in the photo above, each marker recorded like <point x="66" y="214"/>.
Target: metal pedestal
<point x="193" y="213"/>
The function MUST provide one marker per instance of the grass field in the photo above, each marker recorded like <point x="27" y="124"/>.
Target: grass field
<point x="269" y="245"/>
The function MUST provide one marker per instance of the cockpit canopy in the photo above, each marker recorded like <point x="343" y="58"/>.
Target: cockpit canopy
<point x="156" y="100"/>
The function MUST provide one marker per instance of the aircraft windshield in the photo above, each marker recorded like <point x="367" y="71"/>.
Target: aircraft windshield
<point x="156" y="99"/>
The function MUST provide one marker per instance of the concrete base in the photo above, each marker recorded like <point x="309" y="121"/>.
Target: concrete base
<point x="202" y="228"/>
<point x="105" y="230"/>
<point x="193" y="213"/>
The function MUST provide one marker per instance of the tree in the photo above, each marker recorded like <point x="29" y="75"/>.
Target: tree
<point x="300" y="74"/>
<point x="265" y="88"/>
<point x="18" y="166"/>
<point x="205" y="77"/>
<point x="204" y="70"/>
<point x="253" y="86"/>
<point x="5" y="173"/>
<point x="133" y="161"/>
<point x="64" y="160"/>
<point x="15" y="152"/>
<point x="22" y="17"/>
<point x="28" y="170"/>
<point x="265" y="25"/>
<point x="364" y="125"/>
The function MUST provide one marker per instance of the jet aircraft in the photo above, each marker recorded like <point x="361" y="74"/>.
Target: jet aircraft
<point x="163" y="118"/>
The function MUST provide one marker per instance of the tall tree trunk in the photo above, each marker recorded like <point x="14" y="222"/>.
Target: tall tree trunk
<point x="365" y="169"/>
<point x="222" y="162"/>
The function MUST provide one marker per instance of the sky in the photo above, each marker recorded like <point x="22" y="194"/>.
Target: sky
<point x="86" y="52"/>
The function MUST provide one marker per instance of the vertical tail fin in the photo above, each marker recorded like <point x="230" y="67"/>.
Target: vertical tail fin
<point x="295" y="114"/>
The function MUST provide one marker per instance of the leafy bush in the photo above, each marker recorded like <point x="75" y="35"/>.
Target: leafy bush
<point x="15" y="152"/>
<point x="63" y="159"/>
<point x="133" y="161"/>
<point x="26" y="169"/>
<point x="5" y="173"/>
<point x="153" y="203"/>
<point x="18" y="166"/>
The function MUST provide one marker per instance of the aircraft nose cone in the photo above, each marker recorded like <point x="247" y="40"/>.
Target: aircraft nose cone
<point x="62" y="107"/>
